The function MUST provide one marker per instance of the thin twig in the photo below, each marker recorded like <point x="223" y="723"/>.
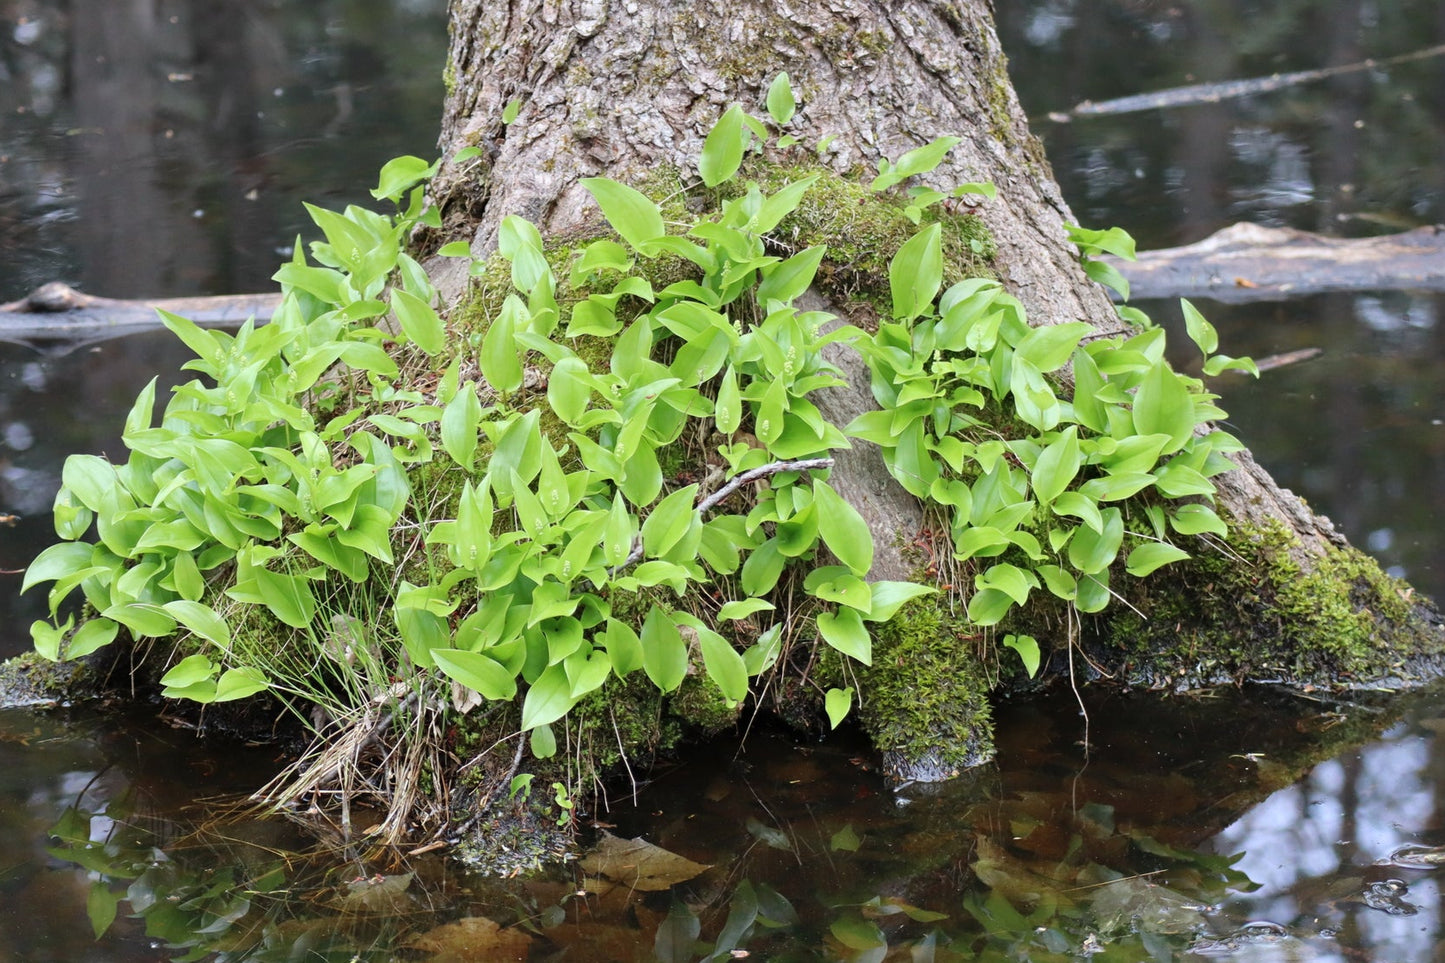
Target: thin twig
<point x="484" y="805"/>
<point x="732" y="485"/>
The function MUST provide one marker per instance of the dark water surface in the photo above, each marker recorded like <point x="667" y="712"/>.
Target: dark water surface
<point x="162" y="149"/>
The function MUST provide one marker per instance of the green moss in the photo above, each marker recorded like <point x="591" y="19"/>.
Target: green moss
<point x="924" y="701"/>
<point x="700" y="704"/>
<point x="30" y="679"/>
<point x="1255" y="612"/>
<point x="624" y="721"/>
<point x="862" y="229"/>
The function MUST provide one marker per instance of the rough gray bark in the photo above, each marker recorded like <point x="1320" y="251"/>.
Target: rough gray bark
<point x="617" y="88"/>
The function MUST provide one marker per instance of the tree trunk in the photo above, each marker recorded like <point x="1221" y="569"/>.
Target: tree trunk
<point x="620" y="89"/>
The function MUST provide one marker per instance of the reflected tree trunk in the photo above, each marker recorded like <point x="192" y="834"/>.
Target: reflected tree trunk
<point x="116" y="91"/>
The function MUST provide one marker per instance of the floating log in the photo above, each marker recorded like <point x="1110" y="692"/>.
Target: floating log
<point x="1250" y="262"/>
<point x="1242" y="262"/>
<point x="56" y="316"/>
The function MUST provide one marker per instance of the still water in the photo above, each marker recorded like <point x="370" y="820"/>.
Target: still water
<point x="1250" y="826"/>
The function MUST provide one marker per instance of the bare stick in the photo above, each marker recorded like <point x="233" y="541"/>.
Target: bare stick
<point x="732" y="485"/>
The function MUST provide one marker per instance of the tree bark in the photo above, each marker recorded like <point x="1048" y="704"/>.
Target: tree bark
<point x="618" y="88"/>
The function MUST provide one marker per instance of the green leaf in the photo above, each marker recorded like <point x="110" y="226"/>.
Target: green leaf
<point x="543" y="742"/>
<point x="787" y="280"/>
<point x="1047" y="348"/>
<point x="1115" y="486"/>
<point x="600" y="255"/>
<point x="629" y="211"/>
<point x="727" y="411"/>
<point x="1092" y="552"/>
<point x="95" y="633"/>
<point x="47" y="638"/>
<point x="763" y="568"/>
<point x="724" y="665"/>
<point x="837" y="703"/>
<point x="569" y="389"/>
<point x="1115" y="241"/>
<point x="519" y="242"/>
<point x="399" y="174"/>
<point x="843" y="529"/>
<point x="1151" y="555"/>
<point x="459" y="422"/>
<point x="92" y="481"/>
<point x="669" y="521"/>
<point x="142" y="618"/>
<point x="478" y="672"/>
<point x="1197" y="519"/>
<point x="916" y="272"/>
<point x="1109" y="276"/>
<point x="500" y="358"/>
<point x="834" y="583"/>
<point x="858" y="934"/>
<point x="889" y="597"/>
<point x="742" y="608"/>
<point x="623" y="646"/>
<point x="1221" y="363"/>
<point x="1093" y="592"/>
<point x="1177" y="480"/>
<point x="189" y="671"/>
<point x="202" y="620"/>
<point x="1079" y="506"/>
<point x="1058" y="581"/>
<point x="920" y="160"/>
<point x="664" y="654"/>
<point x="287" y="596"/>
<point x="989" y="606"/>
<point x="722" y="151"/>
<point x="1163" y="405"/>
<point x="1013" y="581"/>
<point x="419" y="320"/>
<point x="100" y="906"/>
<point x="1028" y="649"/>
<point x="1201" y="332"/>
<point x="510" y="112"/>
<point x="782" y="203"/>
<point x="781" y="104"/>
<point x="548" y="699"/>
<point x="57" y="561"/>
<point x="239" y="683"/>
<point x="617" y="536"/>
<point x="1056" y="466"/>
<point x="844" y="631"/>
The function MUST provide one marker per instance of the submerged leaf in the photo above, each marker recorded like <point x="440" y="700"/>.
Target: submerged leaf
<point x="471" y="938"/>
<point x="638" y="864"/>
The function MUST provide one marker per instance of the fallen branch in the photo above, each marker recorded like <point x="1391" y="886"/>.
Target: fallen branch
<point x="1213" y="93"/>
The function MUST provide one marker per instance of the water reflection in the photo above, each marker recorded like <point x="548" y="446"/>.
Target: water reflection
<point x="163" y="148"/>
<point x="1358" y="431"/>
<point x="1253" y="825"/>
<point x="1356" y="154"/>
